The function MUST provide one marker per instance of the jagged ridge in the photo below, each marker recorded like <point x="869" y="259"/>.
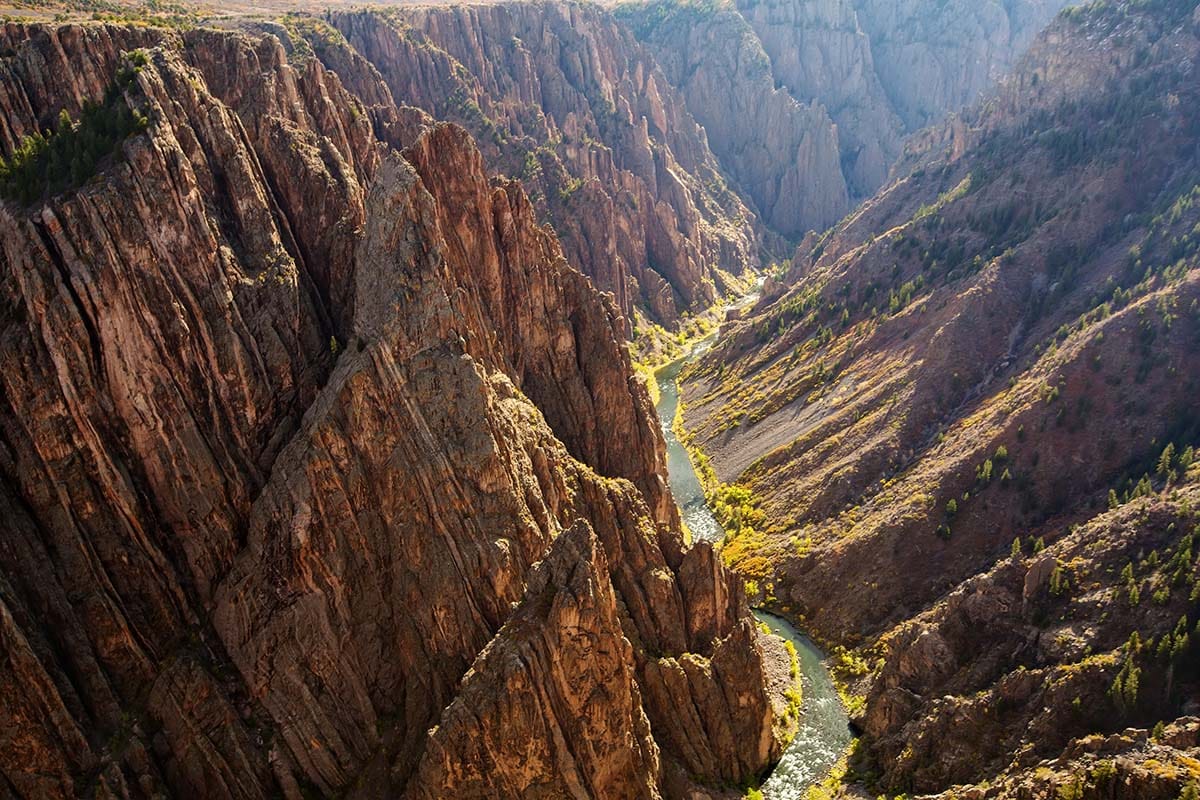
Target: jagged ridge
<point x="277" y="468"/>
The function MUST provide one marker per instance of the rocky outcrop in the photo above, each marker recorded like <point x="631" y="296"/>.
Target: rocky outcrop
<point x="1024" y="663"/>
<point x="1133" y="763"/>
<point x="294" y="399"/>
<point x="562" y="97"/>
<point x="560" y="671"/>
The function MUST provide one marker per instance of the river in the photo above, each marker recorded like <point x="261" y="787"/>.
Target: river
<point x="685" y="485"/>
<point x="824" y="728"/>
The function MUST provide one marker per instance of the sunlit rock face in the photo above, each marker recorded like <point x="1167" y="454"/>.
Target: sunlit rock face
<point x="294" y="397"/>
<point x="783" y="154"/>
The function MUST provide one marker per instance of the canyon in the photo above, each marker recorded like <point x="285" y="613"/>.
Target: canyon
<point x="955" y="438"/>
<point x="329" y="462"/>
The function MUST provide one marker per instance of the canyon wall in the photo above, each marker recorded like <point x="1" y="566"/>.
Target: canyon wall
<point x="294" y="399"/>
<point x="962" y="429"/>
<point x="562" y="97"/>
<point x="782" y="154"/>
<point x="807" y="104"/>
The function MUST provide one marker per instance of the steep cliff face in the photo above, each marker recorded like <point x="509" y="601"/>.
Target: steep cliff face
<point x="294" y="399"/>
<point x="807" y="104"/>
<point x="1001" y="345"/>
<point x="782" y="154"/>
<point x="932" y="57"/>
<point x="565" y="627"/>
<point x="820" y="53"/>
<point x="562" y="97"/>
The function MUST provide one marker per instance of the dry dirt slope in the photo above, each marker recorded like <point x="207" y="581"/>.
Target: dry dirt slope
<point x="1000" y="337"/>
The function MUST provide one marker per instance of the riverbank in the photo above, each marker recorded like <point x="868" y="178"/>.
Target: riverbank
<point x="654" y="347"/>
<point x="823" y="735"/>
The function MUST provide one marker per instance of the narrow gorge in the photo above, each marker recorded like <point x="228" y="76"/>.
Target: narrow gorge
<point x="668" y="399"/>
<point x="823" y="733"/>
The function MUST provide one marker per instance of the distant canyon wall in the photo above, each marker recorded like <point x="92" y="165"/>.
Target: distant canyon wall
<point x="807" y="104"/>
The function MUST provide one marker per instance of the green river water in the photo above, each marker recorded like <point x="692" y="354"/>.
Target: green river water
<point x="824" y="728"/>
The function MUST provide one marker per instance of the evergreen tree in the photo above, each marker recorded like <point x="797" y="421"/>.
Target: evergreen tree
<point x="1166" y="461"/>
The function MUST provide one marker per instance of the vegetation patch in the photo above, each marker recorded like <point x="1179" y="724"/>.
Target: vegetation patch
<point x="46" y="164"/>
<point x="646" y="18"/>
<point x="739" y="512"/>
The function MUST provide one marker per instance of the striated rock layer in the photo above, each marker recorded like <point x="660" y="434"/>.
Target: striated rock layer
<point x="564" y="98"/>
<point x="294" y="399"/>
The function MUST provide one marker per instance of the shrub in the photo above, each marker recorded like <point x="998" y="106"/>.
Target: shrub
<point x="1060" y="582"/>
<point x="1104" y="772"/>
<point x="1070" y="791"/>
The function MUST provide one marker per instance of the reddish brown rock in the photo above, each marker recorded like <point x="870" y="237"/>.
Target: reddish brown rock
<point x="564" y="98"/>
<point x="289" y="415"/>
<point x="560" y="672"/>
